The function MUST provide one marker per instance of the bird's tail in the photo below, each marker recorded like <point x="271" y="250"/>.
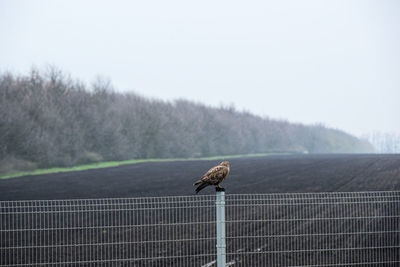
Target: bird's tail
<point x="198" y="182"/>
<point x="201" y="187"/>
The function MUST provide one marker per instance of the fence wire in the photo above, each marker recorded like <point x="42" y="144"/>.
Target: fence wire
<point x="318" y="229"/>
<point x="166" y="231"/>
<point x="302" y="229"/>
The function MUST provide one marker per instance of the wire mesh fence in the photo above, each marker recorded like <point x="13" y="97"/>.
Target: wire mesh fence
<point x="314" y="229"/>
<point x="302" y="229"/>
<point x="170" y="231"/>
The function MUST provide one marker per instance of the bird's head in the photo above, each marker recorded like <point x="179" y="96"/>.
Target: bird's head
<point x="225" y="163"/>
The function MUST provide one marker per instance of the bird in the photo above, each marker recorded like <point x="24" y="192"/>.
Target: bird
<point x="214" y="176"/>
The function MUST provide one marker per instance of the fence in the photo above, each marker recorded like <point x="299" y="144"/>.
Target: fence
<point x="302" y="229"/>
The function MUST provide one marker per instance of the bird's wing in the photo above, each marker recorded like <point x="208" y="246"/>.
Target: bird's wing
<point x="215" y="175"/>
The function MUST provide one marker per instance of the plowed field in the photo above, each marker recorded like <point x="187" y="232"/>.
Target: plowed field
<point x="294" y="173"/>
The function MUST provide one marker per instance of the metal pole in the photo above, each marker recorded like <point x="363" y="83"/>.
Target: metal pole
<point x="221" y="245"/>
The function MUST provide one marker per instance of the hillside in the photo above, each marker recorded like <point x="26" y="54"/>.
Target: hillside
<point x="52" y="120"/>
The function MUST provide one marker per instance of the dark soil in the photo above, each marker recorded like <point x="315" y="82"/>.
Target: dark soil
<point x="283" y="230"/>
<point x="294" y="173"/>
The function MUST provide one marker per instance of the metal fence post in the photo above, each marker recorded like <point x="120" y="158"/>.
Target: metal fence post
<point x="220" y="209"/>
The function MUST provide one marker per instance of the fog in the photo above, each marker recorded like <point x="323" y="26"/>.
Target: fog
<point x="330" y="62"/>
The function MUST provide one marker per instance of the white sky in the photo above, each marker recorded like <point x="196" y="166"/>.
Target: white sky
<point x="334" y="62"/>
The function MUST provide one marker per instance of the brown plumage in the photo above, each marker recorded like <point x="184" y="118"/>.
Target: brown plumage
<point x="214" y="176"/>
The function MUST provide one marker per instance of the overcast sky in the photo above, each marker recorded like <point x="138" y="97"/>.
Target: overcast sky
<point x="334" y="62"/>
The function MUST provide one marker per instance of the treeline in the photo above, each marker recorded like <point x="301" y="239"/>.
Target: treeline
<point x="384" y="142"/>
<point x="48" y="119"/>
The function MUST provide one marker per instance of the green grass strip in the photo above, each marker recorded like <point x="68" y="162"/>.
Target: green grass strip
<point x="125" y="162"/>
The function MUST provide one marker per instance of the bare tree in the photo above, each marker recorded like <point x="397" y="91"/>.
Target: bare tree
<point x="49" y="119"/>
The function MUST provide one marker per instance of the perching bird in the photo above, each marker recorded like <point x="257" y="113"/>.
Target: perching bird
<point x="214" y="176"/>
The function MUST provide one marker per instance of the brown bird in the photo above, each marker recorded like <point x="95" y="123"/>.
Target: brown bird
<point x="214" y="176"/>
